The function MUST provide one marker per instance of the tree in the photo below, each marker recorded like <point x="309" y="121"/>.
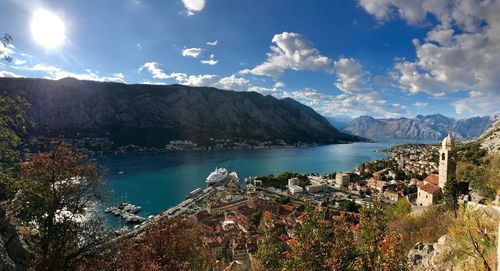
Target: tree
<point x="168" y="244"/>
<point x="343" y="251"/>
<point x="255" y="218"/>
<point x="58" y="193"/>
<point x="12" y="125"/>
<point x="5" y="40"/>
<point x="270" y="248"/>
<point x="451" y="194"/>
<point x="313" y="246"/>
<point x="350" y="206"/>
<point x="372" y="230"/>
<point x="380" y="249"/>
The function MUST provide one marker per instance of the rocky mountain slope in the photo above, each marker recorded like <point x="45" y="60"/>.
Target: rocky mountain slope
<point x="432" y="127"/>
<point x="490" y="140"/>
<point x="152" y="115"/>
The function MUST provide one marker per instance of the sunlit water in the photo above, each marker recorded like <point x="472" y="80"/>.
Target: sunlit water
<point x="159" y="181"/>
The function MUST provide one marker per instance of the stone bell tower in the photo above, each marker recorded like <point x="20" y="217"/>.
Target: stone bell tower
<point x="447" y="163"/>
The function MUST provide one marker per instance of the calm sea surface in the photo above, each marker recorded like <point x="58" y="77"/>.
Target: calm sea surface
<point x="159" y="181"/>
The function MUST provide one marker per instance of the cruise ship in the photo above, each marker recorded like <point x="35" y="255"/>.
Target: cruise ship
<point x="219" y="174"/>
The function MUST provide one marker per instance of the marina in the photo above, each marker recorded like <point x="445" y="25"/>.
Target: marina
<point x="126" y="211"/>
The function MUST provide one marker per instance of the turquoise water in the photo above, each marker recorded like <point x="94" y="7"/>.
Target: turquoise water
<point x="159" y="181"/>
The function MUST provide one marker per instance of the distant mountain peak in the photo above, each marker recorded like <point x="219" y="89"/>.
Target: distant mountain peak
<point x="431" y="127"/>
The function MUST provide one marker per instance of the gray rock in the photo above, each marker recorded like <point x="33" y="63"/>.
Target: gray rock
<point x="430" y="256"/>
<point x="13" y="256"/>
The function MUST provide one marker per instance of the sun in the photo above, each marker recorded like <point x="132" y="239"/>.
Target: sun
<point x="47" y="29"/>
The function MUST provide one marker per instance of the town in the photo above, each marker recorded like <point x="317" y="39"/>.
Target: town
<point x="229" y="211"/>
<point x="97" y="146"/>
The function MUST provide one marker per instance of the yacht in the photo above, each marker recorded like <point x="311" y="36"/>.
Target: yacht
<point x="219" y="174"/>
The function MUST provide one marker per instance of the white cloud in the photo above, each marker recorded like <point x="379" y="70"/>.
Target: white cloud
<point x="202" y="80"/>
<point x="233" y="82"/>
<point x="294" y="52"/>
<point x="351" y="77"/>
<point x="487" y="103"/>
<point x="8" y="74"/>
<point x="52" y="72"/>
<point x="6" y="50"/>
<point x="370" y="103"/>
<point x="192" y="52"/>
<point x="212" y="43"/>
<point x="155" y="70"/>
<point x="193" y="6"/>
<point x="413" y="80"/>
<point x="420" y="104"/>
<point x="279" y="84"/>
<point x="266" y="91"/>
<point x="210" y="62"/>
<point x="460" y="53"/>
<point x="19" y="62"/>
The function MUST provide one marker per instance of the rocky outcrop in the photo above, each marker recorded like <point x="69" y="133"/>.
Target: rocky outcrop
<point x="430" y="256"/>
<point x="13" y="256"/>
<point x="432" y="127"/>
<point x="490" y="140"/>
<point x="152" y="115"/>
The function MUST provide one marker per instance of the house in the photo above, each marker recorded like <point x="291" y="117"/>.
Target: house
<point x="293" y="181"/>
<point x="392" y="194"/>
<point x="315" y="188"/>
<point x="428" y="194"/>
<point x="378" y="185"/>
<point x="221" y="208"/>
<point x="239" y="251"/>
<point x="295" y="189"/>
<point x="342" y="180"/>
<point x="217" y="246"/>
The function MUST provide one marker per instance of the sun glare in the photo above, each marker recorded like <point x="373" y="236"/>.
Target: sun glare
<point x="47" y="29"/>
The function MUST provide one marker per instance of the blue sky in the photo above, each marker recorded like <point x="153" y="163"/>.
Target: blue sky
<point x="344" y="58"/>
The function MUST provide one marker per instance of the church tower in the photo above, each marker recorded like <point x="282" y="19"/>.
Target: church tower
<point x="447" y="163"/>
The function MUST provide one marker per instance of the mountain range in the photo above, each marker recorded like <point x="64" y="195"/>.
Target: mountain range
<point x="431" y="127"/>
<point x="152" y="115"/>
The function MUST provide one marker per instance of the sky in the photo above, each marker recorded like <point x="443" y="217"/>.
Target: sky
<point x="344" y="58"/>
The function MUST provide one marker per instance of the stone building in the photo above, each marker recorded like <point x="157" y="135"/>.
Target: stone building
<point x="429" y="191"/>
<point x="447" y="163"/>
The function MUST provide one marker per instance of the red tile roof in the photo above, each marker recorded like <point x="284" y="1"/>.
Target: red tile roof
<point x="431" y="189"/>
<point x="432" y="179"/>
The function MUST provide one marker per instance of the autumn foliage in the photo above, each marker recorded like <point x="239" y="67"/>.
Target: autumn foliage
<point x="169" y="244"/>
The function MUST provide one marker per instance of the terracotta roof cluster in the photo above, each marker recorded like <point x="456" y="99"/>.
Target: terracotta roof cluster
<point x="432" y="179"/>
<point x="431" y="189"/>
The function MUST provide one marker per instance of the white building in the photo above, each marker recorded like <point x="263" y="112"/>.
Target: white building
<point x="293" y="181"/>
<point x="315" y="188"/>
<point x="447" y="163"/>
<point x="429" y="191"/>
<point x="342" y="180"/>
<point x="295" y="189"/>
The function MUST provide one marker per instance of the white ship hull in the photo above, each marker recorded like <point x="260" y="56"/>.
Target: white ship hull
<point x="218" y="175"/>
